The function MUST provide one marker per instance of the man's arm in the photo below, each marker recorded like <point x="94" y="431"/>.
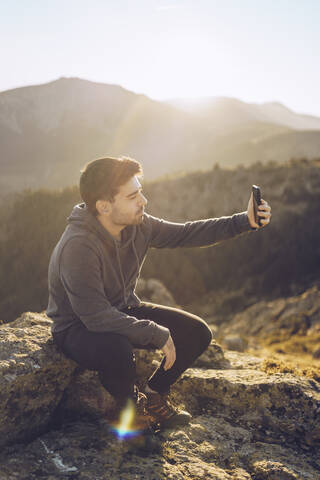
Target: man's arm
<point x="199" y="233"/>
<point x="81" y="275"/>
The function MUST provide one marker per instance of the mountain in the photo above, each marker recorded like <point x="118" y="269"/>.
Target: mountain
<point x="226" y="112"/>
<point x="49" y="132"/>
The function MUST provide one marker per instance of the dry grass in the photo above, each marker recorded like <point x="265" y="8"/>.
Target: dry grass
<point x="287" y="353"/>
<point x="301" y="364"/>
<point x="275" y="365"/>
<point x="298" y="344"/>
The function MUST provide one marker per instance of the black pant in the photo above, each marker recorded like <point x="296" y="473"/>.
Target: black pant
<point x="111" y="354"/>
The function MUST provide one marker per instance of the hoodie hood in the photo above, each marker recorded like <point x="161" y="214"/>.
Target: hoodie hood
<point x="83" y="218"/>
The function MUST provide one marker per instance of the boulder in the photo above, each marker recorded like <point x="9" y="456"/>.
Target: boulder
<point x="286" y="325"/>
<point x="235" y="342"/>
<point x="226" y="439"/>
<point x="283" y="404"/>
<point x="85" y="395"/>
<point x="33" y="377"/>
<point x="152" y="290"/>
<point x="40" y="386"/>
<point x="316" y="353"/>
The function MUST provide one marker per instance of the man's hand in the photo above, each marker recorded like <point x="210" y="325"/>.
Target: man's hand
<point x="264" y="213"/>
<point x="170" y="352"/>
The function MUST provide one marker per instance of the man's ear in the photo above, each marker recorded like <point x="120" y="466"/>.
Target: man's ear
<point x="103" y="206"/>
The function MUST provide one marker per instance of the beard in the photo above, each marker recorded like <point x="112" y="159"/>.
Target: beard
<point x="124" y="220"/>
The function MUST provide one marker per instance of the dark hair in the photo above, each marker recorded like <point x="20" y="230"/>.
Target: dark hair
<point x="100" y="179"/>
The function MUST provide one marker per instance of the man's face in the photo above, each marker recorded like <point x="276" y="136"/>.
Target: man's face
<point x="128" y="205"/>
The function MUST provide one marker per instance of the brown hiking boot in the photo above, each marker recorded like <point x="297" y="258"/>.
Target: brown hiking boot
<point x="164" y="413"/>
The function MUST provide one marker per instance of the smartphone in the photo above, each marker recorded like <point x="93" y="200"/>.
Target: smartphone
<point x="256" y="202"/>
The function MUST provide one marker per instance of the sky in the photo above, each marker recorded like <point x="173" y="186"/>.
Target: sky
<point x="254" y="50"/>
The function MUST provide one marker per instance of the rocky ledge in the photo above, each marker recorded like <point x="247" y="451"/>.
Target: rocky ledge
<point x="285" y="325"/>
<point x="247" y="424"/>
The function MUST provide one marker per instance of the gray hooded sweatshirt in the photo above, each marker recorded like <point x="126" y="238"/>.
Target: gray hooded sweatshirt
<point x="92" y="276"/>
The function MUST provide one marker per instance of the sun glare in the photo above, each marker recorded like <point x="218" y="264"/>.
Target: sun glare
<point x="124" y="429"/>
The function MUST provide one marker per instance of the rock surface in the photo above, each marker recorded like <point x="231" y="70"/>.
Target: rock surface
<point x="234" y="342"/>
<point x="247" y="424"/>
<point x="287" y="325"/>
<point x="33" y="377"/>
<point x="225" y="440"/>
<point x="282" y="403"/>
<point x="85" y="396"/>
<point x="152" y="290"/>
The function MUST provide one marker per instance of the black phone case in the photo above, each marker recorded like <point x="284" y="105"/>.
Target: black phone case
<point x="256" y="202"/>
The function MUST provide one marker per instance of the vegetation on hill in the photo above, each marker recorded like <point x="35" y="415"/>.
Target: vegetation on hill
<point x="272" y="262"/>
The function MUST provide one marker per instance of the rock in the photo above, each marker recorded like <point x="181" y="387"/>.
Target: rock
<point x="288" y="325"/>
<point x="152" y="290"/>
<point x="213" y="357"/>
<point x="246" y="423"/>
<point x="38" y="381"/>
<point x="235" y="342"/>
<point x="33" y="377"/>
<point x="228" y="444"/>
<point x="316" y="353"/>
<point x="282" y="403"/>
<point x="85" y="396"/>
<point x="238" y="361"/>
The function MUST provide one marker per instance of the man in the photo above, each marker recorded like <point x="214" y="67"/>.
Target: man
<point x="97" y="317"/>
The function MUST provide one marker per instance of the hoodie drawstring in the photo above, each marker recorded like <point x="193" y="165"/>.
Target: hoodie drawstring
<point x="135" y="252"/>
<point x="121" y="273"/>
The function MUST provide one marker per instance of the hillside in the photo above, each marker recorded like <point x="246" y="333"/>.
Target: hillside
<point x="48" y="132"/>
<point x="267" y="144"/>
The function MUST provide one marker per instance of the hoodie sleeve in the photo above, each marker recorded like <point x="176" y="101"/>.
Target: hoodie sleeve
<point x="199" y="233"/>
<point x="81" y="276"/>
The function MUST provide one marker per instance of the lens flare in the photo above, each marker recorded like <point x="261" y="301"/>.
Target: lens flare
<point x="124" y="429"/>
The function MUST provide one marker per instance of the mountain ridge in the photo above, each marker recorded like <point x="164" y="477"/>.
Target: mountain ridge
<point x="273" y="111"/>
<point x="49" y="131"/>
